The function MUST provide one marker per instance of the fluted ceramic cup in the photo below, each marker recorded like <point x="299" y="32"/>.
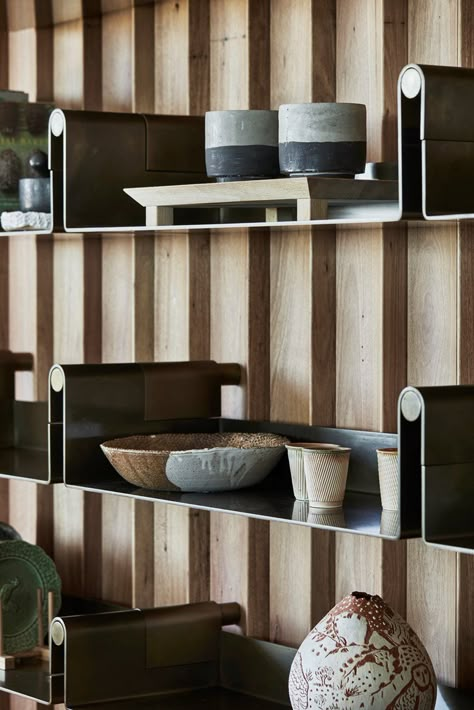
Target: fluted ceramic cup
<point x="326" y="475"/>
<point x="300" y="511"/>
<point x="330" y="517"/>
<point x="295" y="458"/>
<point x="389" y="478"/>
<point x="390" y="523"/>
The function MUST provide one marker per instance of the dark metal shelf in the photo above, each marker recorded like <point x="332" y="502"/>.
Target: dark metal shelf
<point x="34" y="681"/>
<point x="25" y="464"/>
<point x="437" y="445"/>
<point x="221" y="699"/>
<point x="361" y="513"/>
<point x="210" y="699"/>
<point x="90" y="404"/>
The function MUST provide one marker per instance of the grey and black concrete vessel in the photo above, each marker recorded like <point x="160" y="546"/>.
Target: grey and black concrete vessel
<point x="242" y="145"/>
<point x="327" y="139"/>
<point x="35" y="195"/>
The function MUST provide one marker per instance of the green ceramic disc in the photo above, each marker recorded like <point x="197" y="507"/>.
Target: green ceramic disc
<point x="24" y="569"/>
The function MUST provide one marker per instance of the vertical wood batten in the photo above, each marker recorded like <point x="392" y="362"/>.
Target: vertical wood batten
<point x="432" y="352"/>
<point x="4" y="260"/>
<point x="143" y="97"/>
<point x="30" y="330"/>
<point x="465" y="341"/>
<point x="3" y="45"/>
<point x="30" y="294"/>
<point x="371" y="279"/>
<point x="118" y="317"/>
<point x="69" y="348"/>
<point x="302" y="324"/>
<point x="238" y="40"/>
<point x="77" y="307"/>
<point x="181" y="289"/>
<point x="465" y="618"/>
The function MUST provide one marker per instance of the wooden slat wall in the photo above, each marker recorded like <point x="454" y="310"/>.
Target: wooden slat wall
<point x="328" y="324"/>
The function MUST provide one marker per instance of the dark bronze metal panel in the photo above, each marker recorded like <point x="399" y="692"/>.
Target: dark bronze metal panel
<point x="436" y="425"/>
<point x="103" y="152"/>
<point x="273" y="498"/>
<point x="256" y="668"/>
<point x="138" y="653"/>
<point x="100" y="402"/>
<point x="436" y="141"/>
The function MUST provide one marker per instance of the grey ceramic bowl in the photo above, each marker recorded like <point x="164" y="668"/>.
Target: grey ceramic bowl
<point x="242" y="144"/>
<point x="195" y="462"/>
<point x="326" y="139"/>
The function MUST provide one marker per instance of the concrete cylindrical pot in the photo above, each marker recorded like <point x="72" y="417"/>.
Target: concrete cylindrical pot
<point x="326" y="475"/>
<point x="35" y="195"/>
<point x="242" y="144"/>
<point x="389" y="478"/>
<point x="326" y="139"/>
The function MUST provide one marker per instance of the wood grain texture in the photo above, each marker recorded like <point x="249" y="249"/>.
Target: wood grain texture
<point x="359" y="328"/>
<point x="371" y="280"/>
<point x="172" y="56"/>
<point x="199" y="305"/>
<point x="143" y="48"/>
<point x="182" y="270"/>
<point x="242" y="576"/>
<point x="69" y="348"/>
<point x="117" y="346"/>
<point x="290" y="326"/>
<point x="291" y="79"/>
<point x="465" y="620"/>
<point x="395" y="52"/>
<point x="235" y="300"/>
<point x="301" y="580"/>
<point x="323" y="23"/>
<point x="358" y="565"/>
<point x="359" y="60"/>
<point x="69" y="44"/>
<point x="181" y="555"/>
<point x="3" y="45"/>
<point x="77" y="316"/>
<point x="323" y="326"/>
<point x="229" y="57"/>
<point x="431" y="604"/>
<point x="302" y="323"/>
<point x="432" y="299"/>
<point x="117" y="61"/>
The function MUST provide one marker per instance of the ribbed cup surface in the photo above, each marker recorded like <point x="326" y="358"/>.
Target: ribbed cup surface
<point x="333" y="518"/>
<point x="295" y="458"/>
<point x="300" y="510"/>
<point x="326" y="476"/>
<point x="389" y="479"/>
<point x="390" y="523"/>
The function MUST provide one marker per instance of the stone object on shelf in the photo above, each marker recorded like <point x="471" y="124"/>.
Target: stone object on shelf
<point x="18" y="221"/>
<point x="242" y="144"/>
<point x="327" y="139"/>
<point x="205" y="462"/>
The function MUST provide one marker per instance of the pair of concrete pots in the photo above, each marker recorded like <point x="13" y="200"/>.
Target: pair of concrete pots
<point x="325" y="139"/>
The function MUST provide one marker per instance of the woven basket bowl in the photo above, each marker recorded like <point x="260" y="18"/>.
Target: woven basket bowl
<point x="195" y="462"/>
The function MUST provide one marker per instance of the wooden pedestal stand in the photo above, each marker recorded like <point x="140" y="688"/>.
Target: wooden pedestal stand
<point x="37" y="654"/>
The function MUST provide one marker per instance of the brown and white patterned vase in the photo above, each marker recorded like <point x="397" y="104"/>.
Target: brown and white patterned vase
<point x="362" y="655"/>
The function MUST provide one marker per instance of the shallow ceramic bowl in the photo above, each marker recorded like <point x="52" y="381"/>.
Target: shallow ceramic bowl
<point x="195" y="462"/>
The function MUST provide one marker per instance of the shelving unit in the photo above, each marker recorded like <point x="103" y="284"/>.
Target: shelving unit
<point x="436" y="441"/>
<point x="72" y="314"/>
